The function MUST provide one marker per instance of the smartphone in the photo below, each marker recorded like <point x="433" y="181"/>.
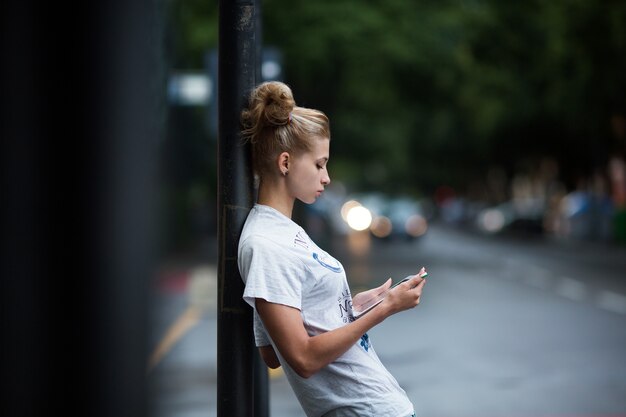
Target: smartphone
<point x="405" y="279"/>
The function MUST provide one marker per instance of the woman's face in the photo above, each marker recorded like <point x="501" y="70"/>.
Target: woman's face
<point x="308" y="173"/>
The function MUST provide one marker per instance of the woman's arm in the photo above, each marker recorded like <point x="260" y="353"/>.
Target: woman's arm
<point x="306" y="354"/>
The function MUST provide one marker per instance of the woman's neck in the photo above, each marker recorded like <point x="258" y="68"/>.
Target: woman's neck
<point x="275" y="195"/>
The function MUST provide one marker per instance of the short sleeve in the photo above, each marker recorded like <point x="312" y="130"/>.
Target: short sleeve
<point x="269" y="272"/>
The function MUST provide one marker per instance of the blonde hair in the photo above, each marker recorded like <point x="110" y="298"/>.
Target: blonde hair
<point x="273" y="124"/>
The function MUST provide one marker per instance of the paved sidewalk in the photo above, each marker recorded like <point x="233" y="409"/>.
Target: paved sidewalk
<point x="184" y="349"/>
<point x="183" y="377"/>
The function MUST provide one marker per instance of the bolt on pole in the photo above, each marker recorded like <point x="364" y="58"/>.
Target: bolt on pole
<point x="237" y="76"/>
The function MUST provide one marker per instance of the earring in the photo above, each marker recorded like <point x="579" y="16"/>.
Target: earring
<point x="285" y="172"/>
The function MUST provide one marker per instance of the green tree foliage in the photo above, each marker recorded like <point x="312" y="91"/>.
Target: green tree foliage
<point x="427" y="92"/>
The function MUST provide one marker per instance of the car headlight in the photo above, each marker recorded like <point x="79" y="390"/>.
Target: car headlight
<point x="359" y="218"/>
<point x="416" y="225"/>
<point x="346" y="207"/>
<point x="381" y="226"/>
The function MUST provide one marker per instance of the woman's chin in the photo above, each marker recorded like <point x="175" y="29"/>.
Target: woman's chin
<point x="309" y="200"/>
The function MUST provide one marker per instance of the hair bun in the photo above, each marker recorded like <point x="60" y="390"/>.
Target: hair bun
<point x="279" y="102"/>
<point x="270" y="105"/>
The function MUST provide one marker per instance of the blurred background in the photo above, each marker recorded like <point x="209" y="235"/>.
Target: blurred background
<point x="485" y="140"/>
<point x="500" y="115"/>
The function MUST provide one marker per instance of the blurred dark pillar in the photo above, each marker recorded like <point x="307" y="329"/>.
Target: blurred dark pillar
<point x="125" y="99"/>
<point x="237" y="75"/>
<point x="82" y="85"/>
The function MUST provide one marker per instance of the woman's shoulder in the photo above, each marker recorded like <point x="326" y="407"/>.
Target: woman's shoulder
<point x="261" y="236"/>
<point x="253" y="240"/>
<point x="264" y="223"/>
<point x="269" y="240"/>
<point x="277" y="240"/>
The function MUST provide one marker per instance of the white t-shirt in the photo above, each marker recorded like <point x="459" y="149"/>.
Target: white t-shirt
<point x="281" y="264"/>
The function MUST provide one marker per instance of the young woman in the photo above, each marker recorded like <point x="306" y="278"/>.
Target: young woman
<point x="303" y="309"/>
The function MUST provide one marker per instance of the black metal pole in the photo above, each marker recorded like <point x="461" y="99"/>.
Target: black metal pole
<point x="237" y="76"/>
<point x="261" y="378"/>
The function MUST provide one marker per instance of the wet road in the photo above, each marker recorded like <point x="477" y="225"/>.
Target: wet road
<point x="506" y="327"/>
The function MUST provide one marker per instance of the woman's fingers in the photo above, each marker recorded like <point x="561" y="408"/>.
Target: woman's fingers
<point x="387" y="284"/>
<point x="418" y="278"/>
<point x="418" y="289"/>
<point x="408" y="294"/>
<point x="415" y="282"/>
<point x="416" y="286"/>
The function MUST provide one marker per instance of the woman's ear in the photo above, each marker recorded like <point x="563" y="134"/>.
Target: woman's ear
<point x="283" y="163"/>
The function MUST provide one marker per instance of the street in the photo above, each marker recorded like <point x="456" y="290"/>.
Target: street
<point x="507" y="326"/>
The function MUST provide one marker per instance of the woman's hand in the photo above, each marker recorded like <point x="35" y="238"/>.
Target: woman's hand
<point x="406" y="295"/>
<point x="363" y="297"/>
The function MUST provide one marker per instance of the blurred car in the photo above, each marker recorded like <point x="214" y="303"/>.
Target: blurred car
<point x="384" y="216"/>
<point x="406" y="217"/>
<point x="525" y="216"/>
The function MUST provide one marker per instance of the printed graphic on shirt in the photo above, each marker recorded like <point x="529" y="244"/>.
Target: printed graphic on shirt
<point x="301" y="239"/>
<point x="365" y="342"/>
<point x="345" y="306"/>
<point x="327" y="262"/>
